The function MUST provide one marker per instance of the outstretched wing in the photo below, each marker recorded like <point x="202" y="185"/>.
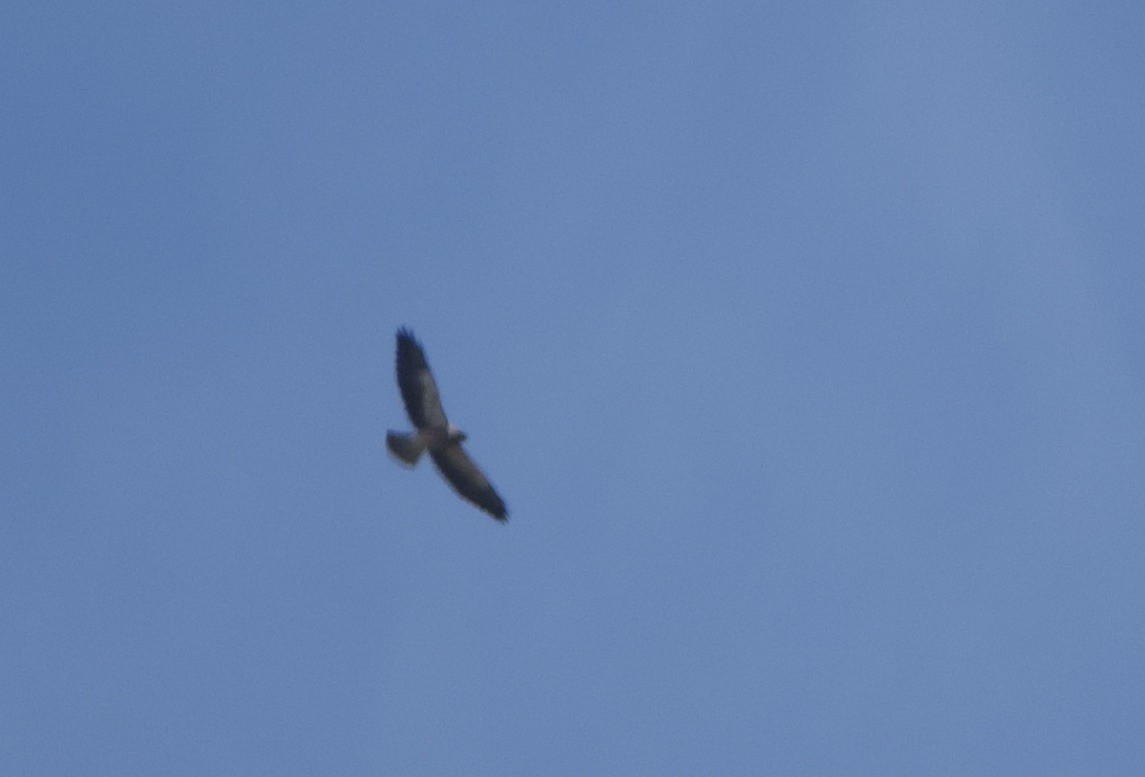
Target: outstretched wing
<point x="467" y="479"/>
<point x="419" y="392"/>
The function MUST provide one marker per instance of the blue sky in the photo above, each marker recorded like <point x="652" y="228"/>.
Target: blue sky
<point x="804" y="342"/>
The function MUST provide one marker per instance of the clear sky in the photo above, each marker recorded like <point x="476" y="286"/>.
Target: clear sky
<point x="804" y="341"/>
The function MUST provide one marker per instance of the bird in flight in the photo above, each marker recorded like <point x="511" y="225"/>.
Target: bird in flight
<point x="434" y="433"/>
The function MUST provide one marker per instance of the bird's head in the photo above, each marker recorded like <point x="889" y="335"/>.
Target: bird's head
<point x="456" y="435"/>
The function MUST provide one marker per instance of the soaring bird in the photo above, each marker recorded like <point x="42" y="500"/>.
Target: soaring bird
<point x="434" y="432"/>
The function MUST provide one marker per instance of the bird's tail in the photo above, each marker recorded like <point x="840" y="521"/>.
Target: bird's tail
<point x="406" y="448"/>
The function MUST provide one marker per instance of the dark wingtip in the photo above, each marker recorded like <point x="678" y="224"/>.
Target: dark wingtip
<point x="410" y="349"/>
<point x="494" y="507"/>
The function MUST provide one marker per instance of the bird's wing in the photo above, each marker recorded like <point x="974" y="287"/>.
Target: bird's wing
<point x="419" y="392"/>
<point x="467" y="479"/>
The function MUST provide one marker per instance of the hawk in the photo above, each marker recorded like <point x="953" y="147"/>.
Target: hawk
<point x="434" y="433"/>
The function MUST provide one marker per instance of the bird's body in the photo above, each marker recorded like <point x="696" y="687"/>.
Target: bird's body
<point x="434" y="433"/>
